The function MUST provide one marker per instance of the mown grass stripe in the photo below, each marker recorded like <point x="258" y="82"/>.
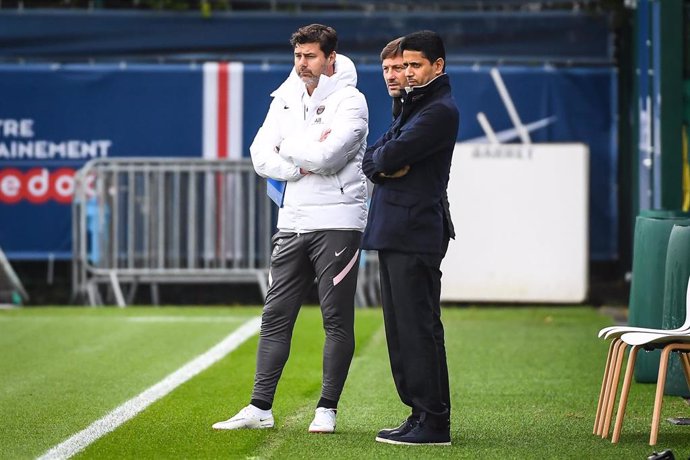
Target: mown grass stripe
<point x="131" y="408"/>
<point x="185" y="319"/>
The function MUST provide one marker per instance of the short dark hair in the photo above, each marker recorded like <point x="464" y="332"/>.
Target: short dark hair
<point x="325" y="36"/>
<point x="428" y="42"/>
<point x="392" y="49"/>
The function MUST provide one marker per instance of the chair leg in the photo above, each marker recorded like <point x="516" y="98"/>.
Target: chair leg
<point x="627" y="380"/>
<point x="659" y="398"/>
<point x="607" y="385"/>
<point x="660" y="383"/>
<point x="685" y="361"/>
<point x="603" y="386"/>
<point x="614" y="389"/>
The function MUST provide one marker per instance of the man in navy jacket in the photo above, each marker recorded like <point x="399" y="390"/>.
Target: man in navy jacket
<point x="409" y="225"/>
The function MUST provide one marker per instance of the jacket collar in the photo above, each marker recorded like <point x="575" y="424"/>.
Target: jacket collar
<point x="419" y="93"/>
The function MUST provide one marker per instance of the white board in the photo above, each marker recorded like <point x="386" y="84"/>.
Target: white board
<point x="521" y="219"/>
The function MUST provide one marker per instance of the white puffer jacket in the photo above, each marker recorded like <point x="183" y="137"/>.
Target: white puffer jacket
<point x="334" y="196"/>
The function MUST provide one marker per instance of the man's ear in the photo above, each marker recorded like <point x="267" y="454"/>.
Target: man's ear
<point x="438" y="66"/>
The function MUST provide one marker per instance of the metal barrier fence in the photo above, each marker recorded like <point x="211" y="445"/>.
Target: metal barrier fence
<point x="168" y="221"/>
<point x="11" y="288"/>
<point x="156" y="221"/>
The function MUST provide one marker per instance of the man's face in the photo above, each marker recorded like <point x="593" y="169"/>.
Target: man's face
<point x="419" y="70"/>
<point x="310" y="63"/>
<point x="394" y="75"/>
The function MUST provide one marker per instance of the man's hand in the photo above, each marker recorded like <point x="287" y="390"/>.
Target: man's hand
<point x="304" y="172"/>
<point x="325" y="134"/>
<point x="397" y="174"/>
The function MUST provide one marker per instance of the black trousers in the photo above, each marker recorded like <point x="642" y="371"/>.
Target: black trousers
<point x="410" y="294"/>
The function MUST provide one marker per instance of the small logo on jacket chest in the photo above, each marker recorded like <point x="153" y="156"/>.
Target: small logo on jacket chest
<point x="320" y="109"/>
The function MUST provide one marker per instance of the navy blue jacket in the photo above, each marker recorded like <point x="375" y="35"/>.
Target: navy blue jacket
<point x="407" y="214"/>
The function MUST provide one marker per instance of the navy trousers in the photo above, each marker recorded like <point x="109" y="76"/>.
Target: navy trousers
<point x="410" y="293"/>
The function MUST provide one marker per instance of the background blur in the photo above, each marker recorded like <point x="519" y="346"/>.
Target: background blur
<point x="100" y="79"/>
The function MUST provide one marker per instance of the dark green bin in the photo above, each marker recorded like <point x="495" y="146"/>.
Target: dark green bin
<point x="652" y="232"/>
<point x="676" y="285"/>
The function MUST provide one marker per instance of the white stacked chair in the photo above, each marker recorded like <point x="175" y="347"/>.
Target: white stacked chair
<point x="668" y="342"/>
<point x="614" y="364"/>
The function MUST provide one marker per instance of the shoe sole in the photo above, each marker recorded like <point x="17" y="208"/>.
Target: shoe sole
<point x="401" y="443"/>
<point x="259" y="427"/>
<point x="317" y="431"/>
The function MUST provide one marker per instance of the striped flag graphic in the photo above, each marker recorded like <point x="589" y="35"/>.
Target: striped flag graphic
<point x="224" y="242"/>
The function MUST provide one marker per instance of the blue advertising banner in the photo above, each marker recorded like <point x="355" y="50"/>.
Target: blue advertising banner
<point x="55" y="118"/>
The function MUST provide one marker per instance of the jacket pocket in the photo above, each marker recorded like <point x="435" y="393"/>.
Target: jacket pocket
<point x="339" y="185"/>
<point x="398" y="198"/>
<point x="399" y="208"/>
<point x="332" y="186"/>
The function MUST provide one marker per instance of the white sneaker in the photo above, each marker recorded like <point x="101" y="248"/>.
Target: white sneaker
<point x="324" y="421"/>
<point x="249" y="417"/>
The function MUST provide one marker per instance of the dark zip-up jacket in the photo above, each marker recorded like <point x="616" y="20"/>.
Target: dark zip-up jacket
<point x="407" y="214"/>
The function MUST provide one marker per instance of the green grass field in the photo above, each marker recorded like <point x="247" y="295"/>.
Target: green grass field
<point x="525" y="382"/>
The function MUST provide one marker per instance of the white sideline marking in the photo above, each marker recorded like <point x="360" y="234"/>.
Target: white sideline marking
<point x="131" y="408"/>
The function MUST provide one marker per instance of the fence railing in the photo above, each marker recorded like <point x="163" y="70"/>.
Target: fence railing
<point x="160" y="221"/>
<point x="168" y="221"/>
<point x="11" y="288"/>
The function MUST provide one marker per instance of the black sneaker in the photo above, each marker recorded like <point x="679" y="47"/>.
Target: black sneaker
<point x="421" y="434"/>
<point x="406" y="426"/>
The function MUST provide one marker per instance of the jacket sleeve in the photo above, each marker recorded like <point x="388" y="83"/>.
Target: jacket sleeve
<point x="267" y="163"/>
<point x="349" y="128"/>
<point x="416" y="141"/>
<point x="368" y="165"/>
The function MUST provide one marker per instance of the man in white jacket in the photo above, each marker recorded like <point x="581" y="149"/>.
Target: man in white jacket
<point x="314" y="137"/>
